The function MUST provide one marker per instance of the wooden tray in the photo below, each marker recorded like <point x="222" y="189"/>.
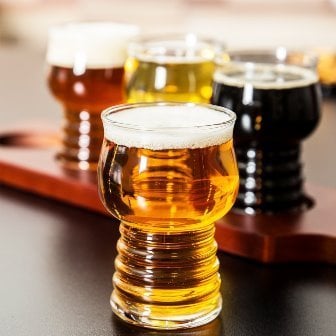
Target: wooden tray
<point x="27" y="162"/>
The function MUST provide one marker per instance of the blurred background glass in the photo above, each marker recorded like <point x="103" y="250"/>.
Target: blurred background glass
<point x="85" y="74"/>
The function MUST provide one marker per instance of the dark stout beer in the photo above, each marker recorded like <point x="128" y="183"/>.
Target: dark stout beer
<point x="277" y="106"/>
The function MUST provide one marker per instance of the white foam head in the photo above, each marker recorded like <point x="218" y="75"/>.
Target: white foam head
<point x="188" y="48"/>
<point x="92" y="44"/>
<point x="265" y="76"/>
<point x="159" y="126"/>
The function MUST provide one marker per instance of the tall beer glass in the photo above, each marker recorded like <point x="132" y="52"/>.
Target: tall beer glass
<point x="171" y="68"/>
<point x="85" y="74"/>
<point x="168" y="172"/>
<point x="277" y="106"/>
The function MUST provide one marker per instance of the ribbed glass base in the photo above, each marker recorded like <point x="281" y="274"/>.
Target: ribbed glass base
<point x="166" y="280"/>
<point x="82" y="136"/>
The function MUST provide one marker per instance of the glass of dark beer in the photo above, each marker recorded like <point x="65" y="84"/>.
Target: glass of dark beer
<point x="168" y="172"/>
<point x="85" y="74"/>
<point x="171" y="68"/>
<point x="277" y="106"/>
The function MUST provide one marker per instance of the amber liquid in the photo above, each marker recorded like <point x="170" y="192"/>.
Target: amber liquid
<point x="167" y="200"/>
<point x="177" y="82"/>
<point x="83" y="98"/>
<point x="326" y="68"/>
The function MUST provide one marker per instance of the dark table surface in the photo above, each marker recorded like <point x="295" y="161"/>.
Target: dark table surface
<point x="56" y="263"/>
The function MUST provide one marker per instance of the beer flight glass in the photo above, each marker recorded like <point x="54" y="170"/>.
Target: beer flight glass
<point x="277" y="102"/>
<point x="85" y="74"/>
<point x="171" y="68"/>
<point x="167" y="171"/>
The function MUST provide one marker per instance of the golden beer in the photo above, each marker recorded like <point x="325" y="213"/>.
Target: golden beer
<point x="168" y="172"/>
<point x="85" y="74"/>
<point x="327" y="68"/>
<point x="327" y="71"/>
<point x="173" y="68"/>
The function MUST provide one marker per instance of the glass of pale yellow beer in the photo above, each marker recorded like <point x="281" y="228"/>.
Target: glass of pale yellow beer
<point x="85" y="74"/>
<point x="167" y="171"/>
<point x="170" y="68"/>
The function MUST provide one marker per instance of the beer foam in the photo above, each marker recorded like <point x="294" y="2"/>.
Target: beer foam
<point x="265" y="76"/>
<point x="163" y="126"/>
<point x="93" y="45"/>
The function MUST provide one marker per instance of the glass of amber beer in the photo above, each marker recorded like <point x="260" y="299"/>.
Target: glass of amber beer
<point x="168" y="172"/>
<point x="171" y="68"/>
<point x="277" y="102"/>
<point x="85" y="74"/>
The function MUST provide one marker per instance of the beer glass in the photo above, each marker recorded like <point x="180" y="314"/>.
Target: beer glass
<point x="85" y="74"/>
<point x="277" y="106"/>
<point x="168" y="172"/>
<point x="171" y="68"/>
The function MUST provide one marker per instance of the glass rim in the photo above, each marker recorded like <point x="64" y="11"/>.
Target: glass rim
<point x="191" y="40"/>
<point x="117" y="108"/>
<point x="148" y="38"/>
<point x="222" y="75"/>
<point x="280" y="53"/>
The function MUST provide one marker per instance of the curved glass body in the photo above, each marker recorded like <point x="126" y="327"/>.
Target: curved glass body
<point x="85" y="74"/>
<point x="277" y="106"/>
<point x="170" y="68"/>
<point x="168" y="172"/>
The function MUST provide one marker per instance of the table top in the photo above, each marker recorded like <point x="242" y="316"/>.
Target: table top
<point x="56" y="262"/>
